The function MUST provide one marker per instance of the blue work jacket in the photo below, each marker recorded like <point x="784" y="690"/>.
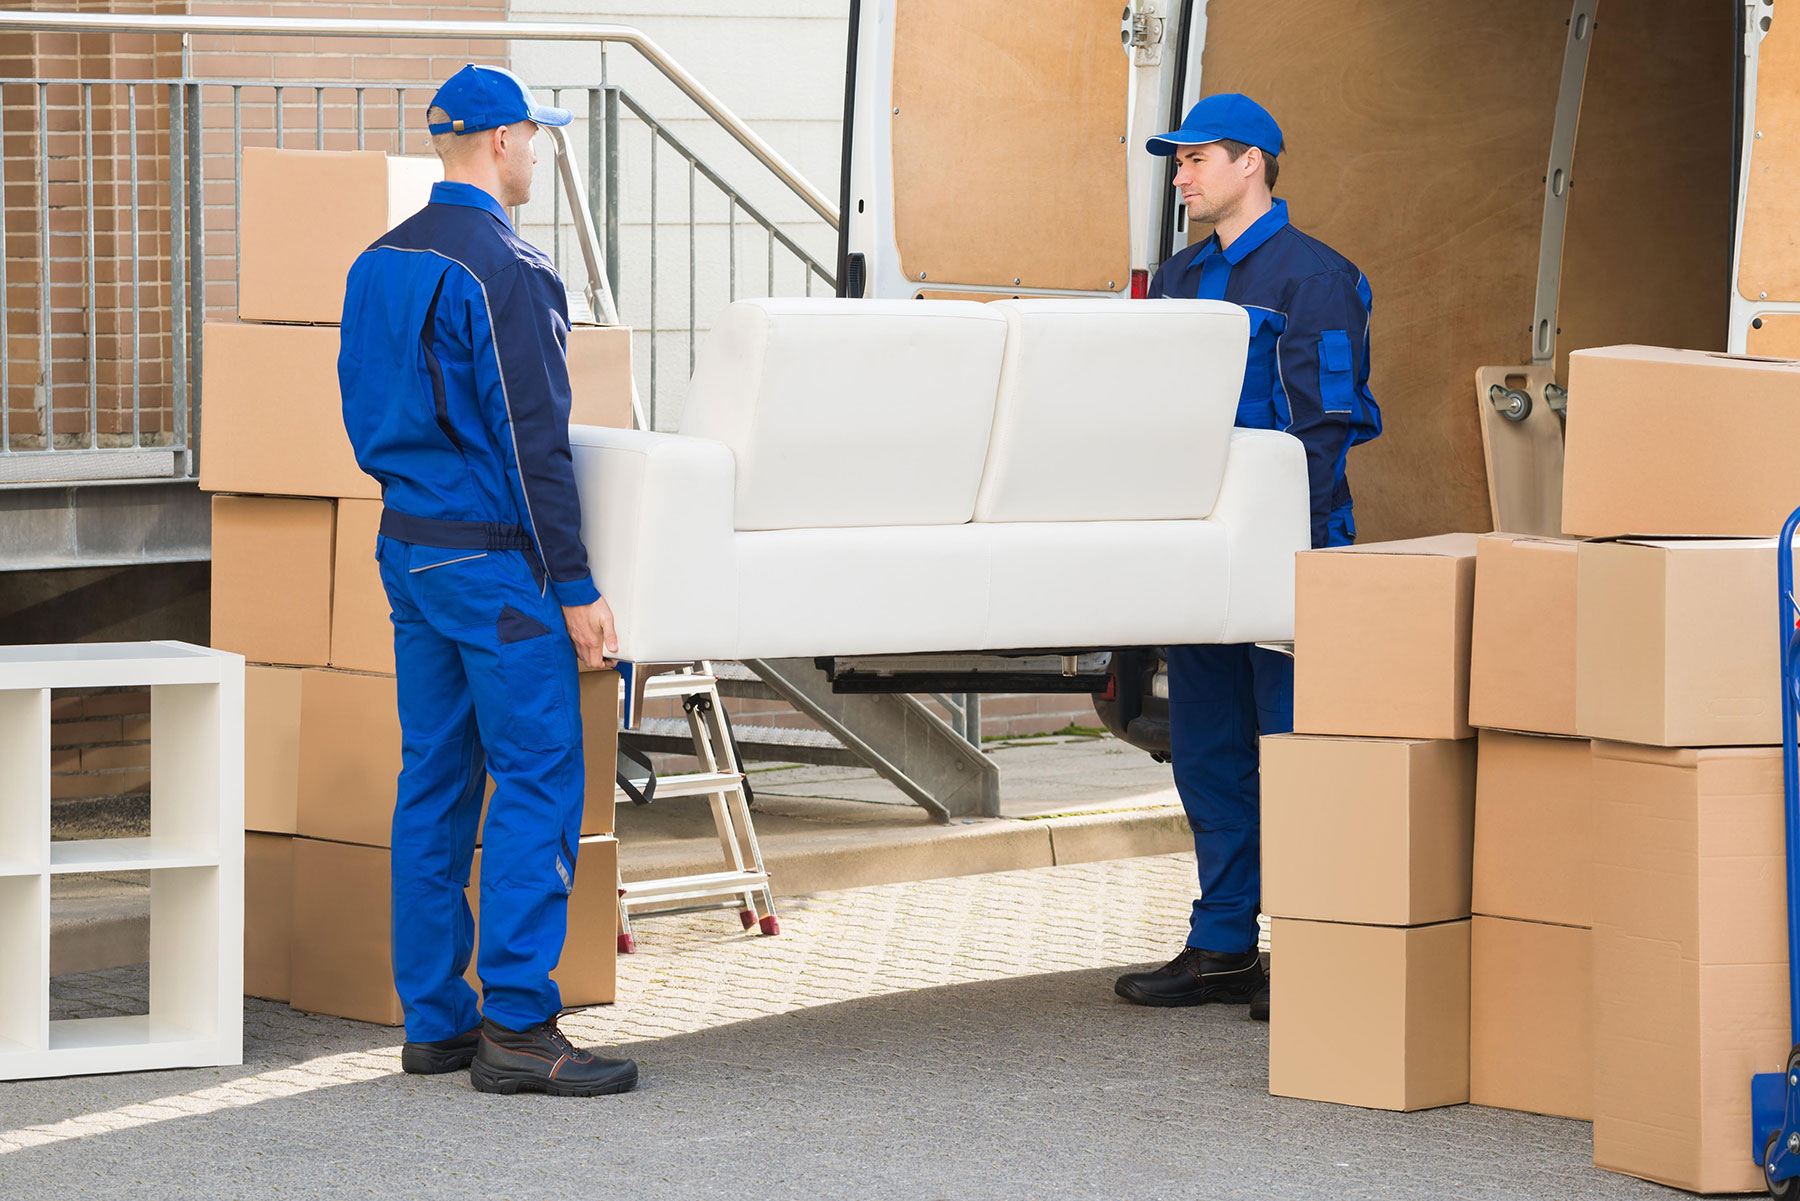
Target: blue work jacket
<point x="455" y="383"/>
<point x="1308" y="369"/>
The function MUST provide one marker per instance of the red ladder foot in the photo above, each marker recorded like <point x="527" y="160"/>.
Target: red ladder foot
<point x="770" y="926"/>
<point x="627" y="945"/>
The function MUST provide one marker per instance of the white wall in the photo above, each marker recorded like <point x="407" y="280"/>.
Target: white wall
<point x="778" y="64"/>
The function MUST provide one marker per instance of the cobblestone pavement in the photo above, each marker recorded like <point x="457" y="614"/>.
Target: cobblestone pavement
<point x="944" y="1039"/>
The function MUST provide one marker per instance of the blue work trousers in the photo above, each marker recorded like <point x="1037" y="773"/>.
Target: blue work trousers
<point x="487" y="686"/>
<point x="1221" y="700"/>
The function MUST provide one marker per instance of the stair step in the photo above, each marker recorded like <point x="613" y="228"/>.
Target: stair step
<point x="737" y="680"/>
<point x="757" y="744"/>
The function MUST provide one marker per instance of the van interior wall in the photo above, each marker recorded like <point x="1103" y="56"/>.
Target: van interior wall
<point x="1647" y="247"/>
<point x="1417" y="144"/>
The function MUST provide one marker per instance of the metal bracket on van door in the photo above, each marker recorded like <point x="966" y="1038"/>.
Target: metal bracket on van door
<point x="1558" y="180"/>
<point x="1141" y="32"/>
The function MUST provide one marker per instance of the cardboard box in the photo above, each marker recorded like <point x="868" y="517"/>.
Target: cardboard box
<point x="304" y="217"/>
<point x="600" y="376"/>
<point x="350" y="755"/>
<point x="1679" y="442"/>
<point x="587" y="972"/>
<point x="268" y="915"/>
<point x="271" y="578"/>
<point x="343" y="947"/>
<point x="1376" y="1016"/>
<point x="1675" y="643"/>
<point x="1534" y="821"/>
<point x="1530" y="1017"/>
<point x="274" y="417"/>
<point x="1377" y="831"/>
<point x="1522" y="653"/>
<point x="343" y="940"/>
<point x="1690" y="958"/>
<point x="271" y="749"/>
<point x="362" y="631"/>
<point x="1381" y="638"/>
<point x="599" y="749"/>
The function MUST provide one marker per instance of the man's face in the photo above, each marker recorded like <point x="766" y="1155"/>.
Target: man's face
<point x="1211" y="184"/>
<point x="516" y="151"/>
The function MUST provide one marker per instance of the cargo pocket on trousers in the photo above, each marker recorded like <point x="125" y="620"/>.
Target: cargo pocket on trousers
<point x="539" y="669"/>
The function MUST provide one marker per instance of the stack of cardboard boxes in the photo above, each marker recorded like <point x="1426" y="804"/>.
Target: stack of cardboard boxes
<point x="1679" y="470"/>
<point x="296" y="591"/>
<point x="1621" y="848"/>
<point x="1368" y="824"/>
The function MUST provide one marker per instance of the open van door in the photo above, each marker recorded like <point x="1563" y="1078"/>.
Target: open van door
<point x="993" y="149"/>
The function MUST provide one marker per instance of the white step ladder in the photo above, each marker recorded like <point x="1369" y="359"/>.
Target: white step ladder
<point x="744" y="883"/>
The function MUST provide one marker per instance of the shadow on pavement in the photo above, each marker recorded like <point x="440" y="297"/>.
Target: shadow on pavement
<point x="1042" y="1086"/>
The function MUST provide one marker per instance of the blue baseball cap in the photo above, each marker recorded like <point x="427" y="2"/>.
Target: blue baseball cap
<point x="480" y="98"/>
<point x="1227" y="115"/>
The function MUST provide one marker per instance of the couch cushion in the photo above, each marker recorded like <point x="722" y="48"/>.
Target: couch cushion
<point x="850" y="412"/>
<point x="1113" y="410"/>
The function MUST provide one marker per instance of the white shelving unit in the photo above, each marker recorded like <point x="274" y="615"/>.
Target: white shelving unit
<point x="194" y="854"/>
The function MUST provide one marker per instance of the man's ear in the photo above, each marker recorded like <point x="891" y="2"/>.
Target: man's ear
<point x="1252" y="163"/>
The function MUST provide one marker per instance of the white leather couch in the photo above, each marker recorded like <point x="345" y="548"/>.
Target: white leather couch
<point x="869" y="477"/>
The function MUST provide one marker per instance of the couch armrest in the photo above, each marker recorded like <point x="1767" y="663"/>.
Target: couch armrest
<point x="656" y="517"/>
<point x="1265" y="506"/>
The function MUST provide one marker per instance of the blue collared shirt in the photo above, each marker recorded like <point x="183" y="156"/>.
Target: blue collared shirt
<point x="455" y="382"/>
<point x="1308" y="367"/>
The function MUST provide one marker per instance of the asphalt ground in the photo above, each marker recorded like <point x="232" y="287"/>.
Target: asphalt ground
<point x="942" y="1039"/>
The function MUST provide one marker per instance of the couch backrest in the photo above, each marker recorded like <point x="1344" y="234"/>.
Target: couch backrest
<point x="850" y="412"/>
<point x="1113" y="410"/>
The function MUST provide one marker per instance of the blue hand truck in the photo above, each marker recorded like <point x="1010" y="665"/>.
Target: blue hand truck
<point x="1775" y="1096"/>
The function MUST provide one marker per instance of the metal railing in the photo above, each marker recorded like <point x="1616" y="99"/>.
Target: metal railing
<point x="131" y="233"/>
<point x="86" y="239"/>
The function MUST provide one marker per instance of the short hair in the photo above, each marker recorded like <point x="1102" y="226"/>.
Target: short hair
<point x="451" y="145"/>
<point x="1271" y="165"/>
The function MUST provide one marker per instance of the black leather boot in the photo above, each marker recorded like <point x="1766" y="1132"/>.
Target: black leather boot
<point x="444" y="1055"/>
<point x="541" y="1060"/>
<point x="1195" y="977"/>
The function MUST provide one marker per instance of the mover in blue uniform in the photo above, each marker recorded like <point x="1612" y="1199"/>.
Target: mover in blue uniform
<point x="456" y="398"/>
<point x="1308" y="374"/>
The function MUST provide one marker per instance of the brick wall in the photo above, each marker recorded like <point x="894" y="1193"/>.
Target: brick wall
<point x="97" y="364"/>
<point x="100" y="763"/>
<point x="74" y="380"/>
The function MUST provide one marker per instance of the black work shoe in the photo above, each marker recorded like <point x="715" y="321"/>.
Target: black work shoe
<point x="1259" y="1004"/>
<point x="541" y="1060"/>
<point x="444" y="1055"/>
<point x="1195" y="977"/>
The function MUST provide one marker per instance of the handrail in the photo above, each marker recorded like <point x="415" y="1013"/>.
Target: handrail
<point x="50" y="22"/>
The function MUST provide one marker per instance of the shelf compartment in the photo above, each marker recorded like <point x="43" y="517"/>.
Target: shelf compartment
<point x="127" y="855"/>
<point x="136" y="1030"/>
